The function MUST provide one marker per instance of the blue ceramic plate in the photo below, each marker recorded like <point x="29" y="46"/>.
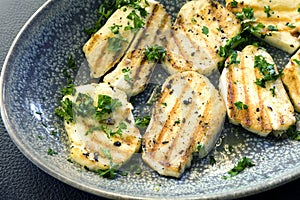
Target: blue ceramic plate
<point x="32" y="77"/>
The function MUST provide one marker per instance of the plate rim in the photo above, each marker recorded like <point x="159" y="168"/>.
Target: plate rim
<point x="269" y="184"/>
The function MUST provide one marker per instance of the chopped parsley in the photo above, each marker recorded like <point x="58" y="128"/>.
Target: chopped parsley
<point x="234" y="4"/>
<point x="95" y="128"/>
<point x="233" y="58"/>
<point x="296" y="61"/>
<point x="293" y="134"/>
<point x="85" y="106"/>
<point x="106" y="105"/>
<point x="136" y="168"/>
<point x="65" y="111"/>
<point x="51" y="152"/>
<point x="137" y="21"/>
<point x="266" y="69"/>
<point x="230" y="148"/>
<point x="54" y="133"/>
<point x="247" y="13"/>
<point x="267" y="10"/>
<point x="126" y="71"/>
<point x="194" y="20"/>
<point x="240" y="105"/>
<point x="71" y="62"/>
<point x="272" y="28"/>
<point x="115" y="29"/>
<point x="155" y="53"/>
<point x="241" y="166"/>
<point x="70" y="87"/>
<point x="205" y="30"/>
<point x="127" y="78"/>
<point x="259" y="28"/>
<point x="201" y="150"/>
<point x="108" y="7"/>
<point x="111" y="133"/>
<point x="143" y="121"/>
<point x="212" y="160"/>
<point x="290" y="25"/>
<point x="298" y="10"/>
<point x="177" y="121"/>
<point x="227" y="49"/>
<point x="273" y="91"/>
<point x="115" y="44"/>
<point x="112" y="171"/>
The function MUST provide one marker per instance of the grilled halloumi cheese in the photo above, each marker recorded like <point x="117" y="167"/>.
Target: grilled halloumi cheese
<point x="99" y="145"/>
<point x="132" y="73"/>
<point x="291" y="79"/>
<point x="258" y="109"/>
<point x="280" y="18"/>
<point x="134" y="70"/>
<point x="199" y="30"/>
<point x="105" y="48"/>
<point x="187" y="118"/>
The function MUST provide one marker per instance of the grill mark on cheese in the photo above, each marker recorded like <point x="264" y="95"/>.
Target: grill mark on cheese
<point x="166" y="126"/>
<point x="138" y="64"/>
<point x="177" y="43"/>
<point x="140" y="68"/>
<point x="294" y="77"/>
<point x="179" y="133"/>
<point x="164" y="24"/>
<point x="202" y="125"/>
<point x="246" y="117"/>
<point x="145" y="29"/>
<point x="204" y="113"/>
<point x="172" y="117"/>
<point x="231" y="92"/>
<point x="190" y="34"/>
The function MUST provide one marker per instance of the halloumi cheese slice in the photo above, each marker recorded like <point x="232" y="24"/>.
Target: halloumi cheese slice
<point x="188" y="117"/>
<point x="199" y="30"/>
<point x="291" y="79"/>
<point x="105" y="48"/>
<point x="134" y="70"/>
<point x="258" y="109"/>
<point x="96" y="144"/>
<point x="280" y="18"/>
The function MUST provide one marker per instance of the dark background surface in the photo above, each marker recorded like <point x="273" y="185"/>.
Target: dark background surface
<point x="21" y="179"/>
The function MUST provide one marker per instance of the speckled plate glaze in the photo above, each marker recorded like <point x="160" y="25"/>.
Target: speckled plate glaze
<point x="30" y="82"/>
